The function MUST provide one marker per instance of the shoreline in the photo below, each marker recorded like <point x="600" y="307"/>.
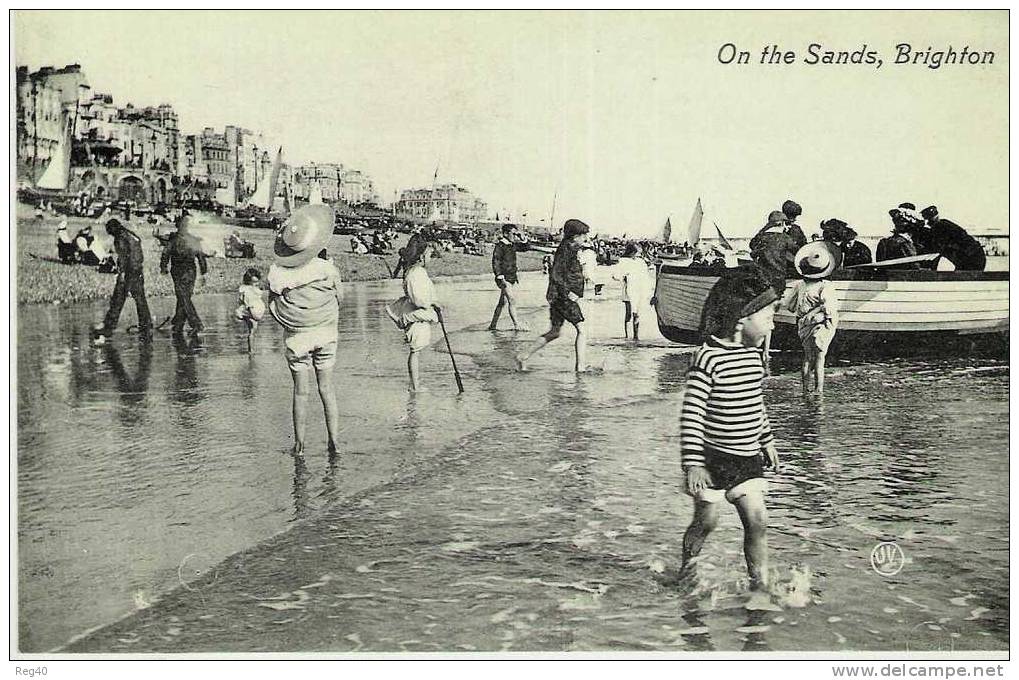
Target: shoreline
<point x="42" y="279"/>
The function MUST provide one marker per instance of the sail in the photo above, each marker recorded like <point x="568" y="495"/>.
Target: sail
<point x="694" y="231"/>
<point x="56" y="174"/>
<point x="227" y="195"/>
<point x="722" y="239"/>
<point x="667" y="230"/>
<point x="315" y="194"/>
<point x="266" y="191"/>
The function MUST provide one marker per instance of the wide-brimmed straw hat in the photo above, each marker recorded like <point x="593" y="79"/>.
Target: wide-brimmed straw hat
<point x="303" y="235"/>
<point x="814" y="261"/>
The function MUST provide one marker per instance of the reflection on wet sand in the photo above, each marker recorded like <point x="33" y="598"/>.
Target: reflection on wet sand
<point x="534" y="512"/>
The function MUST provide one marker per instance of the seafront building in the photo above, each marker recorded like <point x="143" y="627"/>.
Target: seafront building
<point x="337" y="183"/>
<point x="446" y="202"/>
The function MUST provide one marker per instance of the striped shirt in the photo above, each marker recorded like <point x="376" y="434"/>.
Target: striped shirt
<point x="723" y="406"/>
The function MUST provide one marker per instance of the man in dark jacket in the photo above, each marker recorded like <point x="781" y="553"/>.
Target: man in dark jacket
<point x="773" y="250"/>
<point x="565" y="289"/>
<point x="854" y="252"/>
<point x="504" y="266"/>
<point x="792" y="210"/>
<point x="180" y="253"/>
<point x="954" y="243"/>
<point x="130" y="280"/>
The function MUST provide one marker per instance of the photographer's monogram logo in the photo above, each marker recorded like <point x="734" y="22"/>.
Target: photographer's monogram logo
<point x="887" y="558"/>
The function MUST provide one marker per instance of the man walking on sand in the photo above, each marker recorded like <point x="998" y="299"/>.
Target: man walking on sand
<point x="130" y="280"/>
<point x="565" y="289"/>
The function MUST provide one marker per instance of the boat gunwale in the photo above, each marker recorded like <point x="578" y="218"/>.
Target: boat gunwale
<point x="863" y="274"/>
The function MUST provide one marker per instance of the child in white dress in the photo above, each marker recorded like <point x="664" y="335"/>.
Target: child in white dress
<point x="815" y="302"/>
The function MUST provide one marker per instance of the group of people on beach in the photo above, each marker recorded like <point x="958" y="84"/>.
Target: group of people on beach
<point x="726" y="440"/>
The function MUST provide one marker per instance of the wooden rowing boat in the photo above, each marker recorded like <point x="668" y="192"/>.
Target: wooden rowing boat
<point x="878" y="305"/>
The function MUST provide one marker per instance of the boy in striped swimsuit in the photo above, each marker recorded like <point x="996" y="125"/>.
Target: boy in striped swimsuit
<point x="724" y="430"/>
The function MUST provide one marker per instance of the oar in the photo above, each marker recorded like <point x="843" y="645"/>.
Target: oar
<point x="897" y="261"/>
<point x="456" y="372"/>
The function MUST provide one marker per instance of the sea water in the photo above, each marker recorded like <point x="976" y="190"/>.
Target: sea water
<point x="159" y="508"/>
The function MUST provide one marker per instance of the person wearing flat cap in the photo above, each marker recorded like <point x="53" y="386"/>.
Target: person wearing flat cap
<point x="565" y="290"/>
<point x="792" y="210"/>
<point x="954" y="243"/>
<point x="854" y="252"/>
<point x="130" y="281"/>
<point x="772" y="249"/>
<point x="304" y="296"/>
<point x="815" y="301"/>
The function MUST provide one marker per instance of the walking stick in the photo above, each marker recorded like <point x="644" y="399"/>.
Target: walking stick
<point x="456" y="372"/>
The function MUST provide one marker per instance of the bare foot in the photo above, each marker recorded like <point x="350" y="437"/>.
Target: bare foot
<point x="521" y="364"/>
<point x="298" y="449"/>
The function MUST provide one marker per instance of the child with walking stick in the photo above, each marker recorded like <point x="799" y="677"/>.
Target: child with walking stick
<point x="416" y="311"/>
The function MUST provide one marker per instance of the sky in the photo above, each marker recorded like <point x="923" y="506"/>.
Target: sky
<point x="622" y="119"/>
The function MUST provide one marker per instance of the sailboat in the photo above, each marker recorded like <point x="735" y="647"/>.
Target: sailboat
<point x="667" y="231"/>
<point x="228" y="195"/>
<point x="266" y="191"/>
<point x="694" y="229"/>
<point x="56" y="175"/>
<point x="315" y="194"/>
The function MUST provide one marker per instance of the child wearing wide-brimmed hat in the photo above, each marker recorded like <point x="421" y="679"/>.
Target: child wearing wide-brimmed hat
<point x="304" y="295"/>
<point x="725" y="435"/>
<point x="815" y="302"/>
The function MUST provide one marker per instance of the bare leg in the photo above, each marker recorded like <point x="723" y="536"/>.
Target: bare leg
<point x="805" y="370"/>
<point x="754" y="515"/>
<point x="636" y="326"/>
<point x="580" y="345"/>
<point x="332" y="411"/>
<point x="705" y="519"/>
<point x="766" y="357"/>
<point x="498" y="310"/>
<point x="819" y="371"/>
<point x="251" y="334"/>
<point x="627" y="311"/>
<point x="301" y="386"/>
<point x="548" y="337"/>
<point x="511" y="307"/>
<point x="413" y="367"/>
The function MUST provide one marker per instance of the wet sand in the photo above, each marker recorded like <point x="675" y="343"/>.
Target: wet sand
<point x="533" y="513"/>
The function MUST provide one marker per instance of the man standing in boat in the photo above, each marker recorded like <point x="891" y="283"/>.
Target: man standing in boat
<point x="773" y="249"/>
<point x="954" y="243"/>
<point x="792" y="210"/>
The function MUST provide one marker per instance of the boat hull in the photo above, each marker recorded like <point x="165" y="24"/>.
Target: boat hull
<point x="896" y="309"/>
